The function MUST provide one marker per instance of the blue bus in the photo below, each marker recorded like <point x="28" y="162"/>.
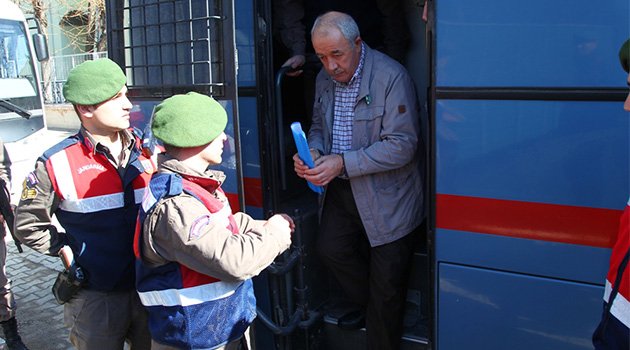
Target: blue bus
<point x="531" y="169"/>
<point x="526" y="147"/>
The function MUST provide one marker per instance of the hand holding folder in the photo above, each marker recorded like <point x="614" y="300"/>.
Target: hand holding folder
<point x="304" y="152"/>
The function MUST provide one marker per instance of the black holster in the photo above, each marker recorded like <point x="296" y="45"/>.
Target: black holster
<point x="68" y="284"/>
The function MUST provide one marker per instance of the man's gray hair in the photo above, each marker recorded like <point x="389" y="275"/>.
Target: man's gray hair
<point x="346" y="25"/>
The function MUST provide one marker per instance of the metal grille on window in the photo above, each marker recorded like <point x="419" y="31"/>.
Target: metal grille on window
<point x="174" y="44"/>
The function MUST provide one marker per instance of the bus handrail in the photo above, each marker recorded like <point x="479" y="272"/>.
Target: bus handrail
<point x="280" y="123"/>
<point x="303" y="317"/>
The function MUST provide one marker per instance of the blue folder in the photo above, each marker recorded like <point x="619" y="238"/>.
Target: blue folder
<point x="303" y="152"/>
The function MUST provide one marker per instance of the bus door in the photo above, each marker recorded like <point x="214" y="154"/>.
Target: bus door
<point x="174" y="47"/>
<point x="289" y="292"/>
<point x="282" y="101"/>
<point x="21" y="104"/>
<point x="531" y="169"/>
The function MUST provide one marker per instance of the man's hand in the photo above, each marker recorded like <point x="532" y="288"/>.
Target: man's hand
<point x="326" y="169"/>
<point x="295" y="62"/>
<point x="1" y="219"/>
<point x="298" y="164"/>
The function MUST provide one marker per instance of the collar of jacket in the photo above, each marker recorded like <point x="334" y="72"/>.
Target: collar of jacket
<point x="126" y="137"/>
<point x="366" y="79"/>
<point x="210" y="180"/>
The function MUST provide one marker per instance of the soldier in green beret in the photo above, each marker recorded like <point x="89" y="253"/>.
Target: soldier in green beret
<point x="197" y="258"/>
<point x="93" y="182"/>
<point x="613" y="331"/>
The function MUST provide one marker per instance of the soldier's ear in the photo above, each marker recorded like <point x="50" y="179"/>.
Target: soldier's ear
<point x="85" y="110"/>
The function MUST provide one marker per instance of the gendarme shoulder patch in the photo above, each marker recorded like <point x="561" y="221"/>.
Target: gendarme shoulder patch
<point x="29" y="190"/>
<point x="197" y="227"/>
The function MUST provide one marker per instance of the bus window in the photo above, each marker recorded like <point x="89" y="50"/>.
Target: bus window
<point x="15" y="62"/>
<point x="21" y="111"/>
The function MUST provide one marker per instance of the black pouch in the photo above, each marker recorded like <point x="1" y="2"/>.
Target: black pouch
<point x="68" y="283"/>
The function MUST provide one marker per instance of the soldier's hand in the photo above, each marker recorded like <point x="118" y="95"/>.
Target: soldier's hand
<point x="290" y="220"/>
<point x="279" y="224"/>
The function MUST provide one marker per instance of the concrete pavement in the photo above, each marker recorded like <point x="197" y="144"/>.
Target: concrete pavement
<point x="40" y="318"/>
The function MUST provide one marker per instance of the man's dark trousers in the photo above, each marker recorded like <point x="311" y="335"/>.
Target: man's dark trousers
<point x="376" y="280"/>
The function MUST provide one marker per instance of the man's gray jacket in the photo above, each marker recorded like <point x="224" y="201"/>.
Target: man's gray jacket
<point x="383" y="162"/>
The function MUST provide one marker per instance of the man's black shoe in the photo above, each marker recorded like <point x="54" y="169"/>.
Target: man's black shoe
<point x="352" y="320"/>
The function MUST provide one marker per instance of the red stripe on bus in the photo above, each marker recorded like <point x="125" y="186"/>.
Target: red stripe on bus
<point x="253" y="194"/>
<point x="234" y="203"/>
<point x="547" y="222"/>
<point x="253" y="191"/>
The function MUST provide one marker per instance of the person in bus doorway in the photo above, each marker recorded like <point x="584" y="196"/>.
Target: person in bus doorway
<point x="383" y="25"/>
<point x="7" y="301"/>
<point x="93" y="182"/>
<point x="364" y="139"/>
<point x="613" y="331"/>
<point x="384" y="21"/>
<point x="288" y="26"/>
<point x="195" y="258"/>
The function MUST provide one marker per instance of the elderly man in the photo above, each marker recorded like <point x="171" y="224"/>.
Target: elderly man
<point x="93" y="182"/>
<point x="364" y="137"/>
<point x="613" y="332"/>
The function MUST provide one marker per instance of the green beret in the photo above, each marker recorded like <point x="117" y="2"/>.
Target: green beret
<point x="188" y="120"/>
<point x="93" y="82"/>
<point x="624" y="56"/>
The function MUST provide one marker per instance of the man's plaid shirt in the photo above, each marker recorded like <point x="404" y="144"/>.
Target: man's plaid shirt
<point x="345" y="99"/>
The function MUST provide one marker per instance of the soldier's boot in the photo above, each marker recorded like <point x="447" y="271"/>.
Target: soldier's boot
<point x="11" y="335"/>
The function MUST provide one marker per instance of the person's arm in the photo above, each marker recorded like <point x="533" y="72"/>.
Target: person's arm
<point x="399" y="135"/>
<point x="287" y="19"/>
<point x="33" y="215"/>
<point x="183" y="230"/>
<point x="5" y="164"/>
<point x="5" y="174"/>
<point x="289" y="15"/>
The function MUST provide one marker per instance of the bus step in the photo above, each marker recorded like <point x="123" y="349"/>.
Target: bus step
<point x="336" y="338"/>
